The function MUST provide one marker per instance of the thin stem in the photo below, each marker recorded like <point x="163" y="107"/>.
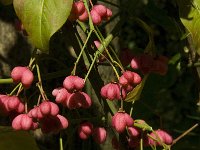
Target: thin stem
<point x="141" y="143"/>
<point x="61" y="142"/>
<point x="184" y="134"/>
<point x="6" y="81"/>
<point x="82" y="50"/>
<point x="91" y="66"/>
<point x="16" y="87"/>
<point x="90" y="18"/>
<point x="110" y="57"/>
<point x="38" y="101"/>
<point x="131" y="111"/>
<point x="39" y="84"/>
<point x="20" y="89"/>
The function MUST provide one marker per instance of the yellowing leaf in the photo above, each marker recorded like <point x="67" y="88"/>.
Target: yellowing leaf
<point x="136" y="92"/>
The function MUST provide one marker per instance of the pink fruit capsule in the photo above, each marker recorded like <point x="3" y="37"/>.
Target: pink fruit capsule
<point x="108" y="13"/>
<point x="63" y="122"/>
<point x="26" y="122"/>
<point x="16" y="123"/>
<point x="17" y="72"/>
<point x="27" y="78"/>
<point x="20" y="108"/>
<point x="96" y="18"/>
<point x="133" y="132"/>
<point x="75" y="100"/>
<point x="121" y="120"/>
<point x="13" y="102"/>
<point x="85" y="130"/>
<point x="99" y="134"/>
<point x="100" y="9"/>
<point x="61" y="95"/>
<point x="87" y="102"/>
<point x="72" y="83"/>
<point x="45" y="108"/>
<point x="80" y="7"/>
<point x="54" y="109"/>
<point x="84" y="16"/>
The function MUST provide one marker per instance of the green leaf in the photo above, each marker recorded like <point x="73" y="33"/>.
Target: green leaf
<point x="189" y="11"/>
<point x="6" y="2"/>
<point x="16" y="140"/>
<point x="42" y="18"/>
<point x="136" y="92"/>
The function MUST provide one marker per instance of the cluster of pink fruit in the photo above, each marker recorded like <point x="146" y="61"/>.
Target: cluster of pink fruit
<point x="86" y="129"/>
<point x="98" y="13"/>
<point x="158" y="137"/>
<point x="147" y="64"/>
<point x="46" y="114"/>
<point x="10" y="105"/>
<point x="118" y="91"/>
<point x="70" y="95"/>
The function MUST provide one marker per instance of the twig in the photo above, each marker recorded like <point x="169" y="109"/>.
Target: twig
<point x="184" y="134"/>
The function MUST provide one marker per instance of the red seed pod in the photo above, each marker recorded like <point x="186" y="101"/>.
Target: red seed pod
<point x="17" y="72"/>
<point x="129" y="120"/>
<point x="45" y="108"/>
<point x="84" y="16"/>
<point x="33" y="113"/>
<point x="13" y="102"/>
<point x="121" y="120"/>
<point x="54" y="109"/>
<point x="16" y="123"/>
<point x="86" y="102"/>
<point x="96" y="18"/>
<point x="75" y="100"/>
<point x="20" y="108"/>
<point x="99" y="135"/>
<point x="160" y="135"/>
<point x="108" y="13"/>
<point x="85" y="130"/>
<point x="123" y="81"/>
<point x="112" y="91"/>
<point x="101" y="10"/>
<point x="4" y="110"/>
<point x="26" y="122"/>
<point x="73" y="83"/>
<point x="63" y="122"/>
<point x="80" y="7"/>
<point x="61" y="94"/>
<point x="135" y="63"/>
<point x="27" y="78"/>
<point x="133" y="132"/>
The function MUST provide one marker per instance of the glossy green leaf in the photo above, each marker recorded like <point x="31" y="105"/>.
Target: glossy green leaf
<point x="136" y="92"/>
<point x="189" y="11"/>
<point x="6" y="2"/>
<point x="42" y="18"/>
<point x="16" y="140"/>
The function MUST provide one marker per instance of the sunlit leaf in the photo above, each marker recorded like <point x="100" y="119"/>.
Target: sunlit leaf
<point x="136" y="92"/>
<point x="42" y="18"/>
<point x="190" y="16"/>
